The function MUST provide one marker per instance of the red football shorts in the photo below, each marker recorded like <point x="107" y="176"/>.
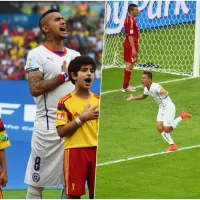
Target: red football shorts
<point x="79" y="167"/>
<point x="1" y="194"/>
<point x="128" y="52"/>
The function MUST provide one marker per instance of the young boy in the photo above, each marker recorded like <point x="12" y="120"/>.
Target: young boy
<point x="4" y="142"/>
<point x="77" y="121"/>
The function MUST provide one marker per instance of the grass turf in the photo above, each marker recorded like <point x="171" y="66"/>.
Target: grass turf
<point x="129" y="129"/>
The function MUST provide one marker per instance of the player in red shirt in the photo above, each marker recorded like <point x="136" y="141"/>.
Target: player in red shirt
<point x="130" y="45"/>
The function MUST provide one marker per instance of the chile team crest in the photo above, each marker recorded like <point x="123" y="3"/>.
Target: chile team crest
<point x="35" y="177"/>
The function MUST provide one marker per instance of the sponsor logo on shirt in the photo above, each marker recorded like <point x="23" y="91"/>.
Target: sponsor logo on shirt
<point x="50" y="59"/>
<point x="73" y="186"/>
<point x="60" y="116"/>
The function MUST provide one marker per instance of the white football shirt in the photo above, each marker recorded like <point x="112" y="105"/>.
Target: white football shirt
<point x="50" y="64"/>
<point x="154" y="93"/>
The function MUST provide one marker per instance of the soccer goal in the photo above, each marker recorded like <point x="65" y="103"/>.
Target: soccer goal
<point x="169" y="36"/>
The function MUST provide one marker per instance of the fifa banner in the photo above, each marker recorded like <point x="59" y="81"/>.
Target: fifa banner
<point x="27" y="21"/>
<point x="17" y="110"/>
<point x="151" y="14"/>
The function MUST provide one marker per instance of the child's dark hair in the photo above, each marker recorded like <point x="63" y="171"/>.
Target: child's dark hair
<point x="131" y="7"/>
<point x="76" y="64"/>
<point x="149" y="74"/>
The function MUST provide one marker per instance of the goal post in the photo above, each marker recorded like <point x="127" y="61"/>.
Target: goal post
<point x="197" y="42"/>
<point x="169" y="36"/>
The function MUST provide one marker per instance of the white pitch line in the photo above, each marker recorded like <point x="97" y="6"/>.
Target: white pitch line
<point x="145" y="155"/>
<point x="139" y="86"/>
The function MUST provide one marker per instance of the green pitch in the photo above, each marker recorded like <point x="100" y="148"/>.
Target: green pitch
<point x="128" y="129"/>
<point x="21" y="194"/>
<point x="171" y="47"/>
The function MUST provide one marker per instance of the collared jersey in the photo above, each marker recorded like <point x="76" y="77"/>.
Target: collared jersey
<point x="50" y="64"/>
<point x="70" y="107"/>
<point x="154" y="93"/>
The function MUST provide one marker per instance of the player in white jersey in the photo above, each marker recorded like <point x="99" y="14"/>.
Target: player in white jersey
<point x="166" y="121"/>
<point x="47" y="75"/>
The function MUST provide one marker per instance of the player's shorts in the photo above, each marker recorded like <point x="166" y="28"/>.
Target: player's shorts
<point x="1" y="194"/>
<point x="79" y="167"/>
<point x="45" y="165"/>
<point x="166" y="114"/>
<point x="128" y="52"/>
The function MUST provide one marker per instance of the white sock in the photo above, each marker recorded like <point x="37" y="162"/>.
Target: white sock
<point x="167" y="137"/>
<point x="63" y="194"/>
<point x="176" y="122"/>
<point x="32" y="196"/>
<point x="34" y="192"/>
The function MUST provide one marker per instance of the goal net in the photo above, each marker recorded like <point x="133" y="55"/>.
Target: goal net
<point x="167" y="35"/>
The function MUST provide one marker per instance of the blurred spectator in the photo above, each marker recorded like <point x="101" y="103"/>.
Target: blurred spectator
<point x="35" y="8"/>
<point x="82" y="8"/>
<point x="85" y="34"/>
<point x="5" y="28"/>
<point x="55" y="6"/>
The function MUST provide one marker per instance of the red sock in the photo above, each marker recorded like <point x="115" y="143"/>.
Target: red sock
<point x="127" y="78"/>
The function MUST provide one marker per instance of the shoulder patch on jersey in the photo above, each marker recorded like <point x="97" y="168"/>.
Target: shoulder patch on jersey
<point x="60" y="116"/>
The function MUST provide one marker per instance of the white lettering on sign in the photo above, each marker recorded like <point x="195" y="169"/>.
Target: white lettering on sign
<point x="115" y="18"/>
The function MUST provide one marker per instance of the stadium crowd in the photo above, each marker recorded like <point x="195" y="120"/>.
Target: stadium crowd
<point x="85" y="36"/>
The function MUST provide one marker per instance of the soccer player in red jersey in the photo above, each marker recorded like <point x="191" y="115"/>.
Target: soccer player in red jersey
<point x="130" y="45"/>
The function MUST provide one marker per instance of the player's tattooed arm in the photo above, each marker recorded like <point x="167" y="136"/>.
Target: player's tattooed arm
<point x="139" y="97"/>
<point x="165" y="92"/>
<point x="38" y="86"/>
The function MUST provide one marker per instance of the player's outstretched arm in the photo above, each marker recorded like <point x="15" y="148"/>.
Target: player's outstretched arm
<point x="89" y="113"/>
<point x="139" y="97"/>
<point x="3" y="173"/>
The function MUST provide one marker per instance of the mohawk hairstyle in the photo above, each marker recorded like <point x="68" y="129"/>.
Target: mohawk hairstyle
<point x="44" y="15"/>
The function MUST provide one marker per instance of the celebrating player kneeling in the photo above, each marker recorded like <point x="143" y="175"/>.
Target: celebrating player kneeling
<point x="166" y="121"/>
